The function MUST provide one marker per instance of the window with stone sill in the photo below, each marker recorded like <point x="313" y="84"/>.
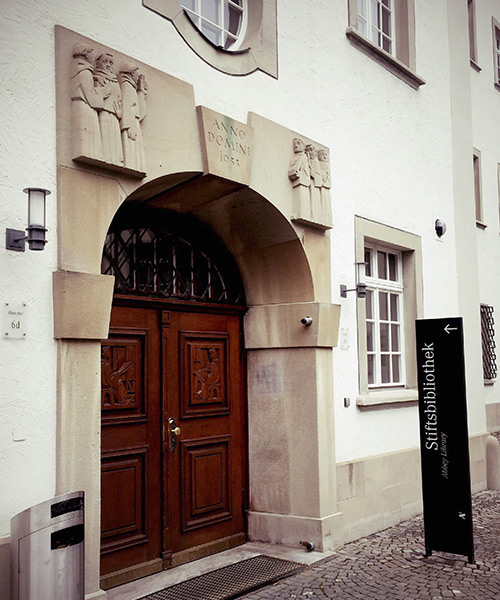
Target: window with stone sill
<point x="386" y="317"/>
<point x="471" y="8"/>
<point x="496" y="52"/>
<point x="234" y="36"/>
<point x="385" y="30"/>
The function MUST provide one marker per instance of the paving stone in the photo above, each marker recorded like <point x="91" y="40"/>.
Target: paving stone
<point x="391" y="565"/>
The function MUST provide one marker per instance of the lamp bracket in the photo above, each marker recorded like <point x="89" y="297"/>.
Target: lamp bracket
<point x="14" y="239"/>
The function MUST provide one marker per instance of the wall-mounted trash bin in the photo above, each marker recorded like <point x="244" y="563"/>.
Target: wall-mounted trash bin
<point x="47" y="550"/>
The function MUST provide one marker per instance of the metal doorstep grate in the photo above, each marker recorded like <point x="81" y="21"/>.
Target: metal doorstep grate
<point x="231" y="581"/>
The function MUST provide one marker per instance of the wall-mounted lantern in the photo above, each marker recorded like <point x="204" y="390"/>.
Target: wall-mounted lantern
<point x="15" y="238"/>
<point x="360" y="288"/>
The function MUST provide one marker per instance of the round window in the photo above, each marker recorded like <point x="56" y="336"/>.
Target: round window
<point x="222" y="22"/>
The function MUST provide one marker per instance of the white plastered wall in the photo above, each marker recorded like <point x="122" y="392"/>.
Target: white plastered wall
<point x="391" y="155"/>
<point x="485" y="100"/>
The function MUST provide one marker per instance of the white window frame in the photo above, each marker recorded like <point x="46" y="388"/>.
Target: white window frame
<point x="197" y="18"/>
<point x="375" y="28"/>
<point x="377" y="286"/>
<point x="409" y="247"/>
<point x="496" y="52"/>
<point x="401" y="60"/>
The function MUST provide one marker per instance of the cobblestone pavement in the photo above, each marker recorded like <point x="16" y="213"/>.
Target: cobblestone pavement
<point x="390" y="565"/>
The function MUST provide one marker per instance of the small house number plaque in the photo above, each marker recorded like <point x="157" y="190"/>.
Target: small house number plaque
<point x="14" y="321"/>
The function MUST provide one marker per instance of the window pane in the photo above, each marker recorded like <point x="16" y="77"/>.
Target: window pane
<point x="209" y="9"/>
<point x="395" y="338"/>
<point x="369" y="304"/>
<point x="368" y="261"/>
<point x="371" y="368"/>
<point x="384" y="337"/>
<point x="386" y="368"/>
<point x="386" y="21"/>
<point x="188" y="4"/>
<point x="369" y="337"/>
<point x="396" y="377"/>
<point x="383" y="306"/>
<point x="362" y="10"/>
<point x="211" y="32"/>
<point x="374" y="12"/>
<point x="232" y="19"/>
<point x="386" y="44"/>
<point x="382" y="265"/>
<point x="393" y="267"/>
<point x="394" y="307"/>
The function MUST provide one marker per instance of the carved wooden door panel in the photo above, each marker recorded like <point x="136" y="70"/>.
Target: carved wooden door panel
<point x="207" y="468"/>
<point x="167" y="498"/>
<point x="131" y="472"/>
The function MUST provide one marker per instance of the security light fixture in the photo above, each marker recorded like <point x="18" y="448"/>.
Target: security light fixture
<point x="15" y="238"/>
<point x="439" y="227"/>
<point x="360" y="288"/>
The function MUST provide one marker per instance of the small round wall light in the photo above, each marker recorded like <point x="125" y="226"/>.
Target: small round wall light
<point x="440" y="227"/>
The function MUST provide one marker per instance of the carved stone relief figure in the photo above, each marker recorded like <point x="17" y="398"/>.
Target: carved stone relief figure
<point x="299" y="173"/>
<point x="316" y="183"/>
<point x="134" y="90"/>
<point x="324" y="163"/>
<point x="111" y="113"/>
<point x="87" y="100"/>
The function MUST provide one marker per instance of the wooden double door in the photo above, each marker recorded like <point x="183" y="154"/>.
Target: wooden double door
<point x="173" y="470"/>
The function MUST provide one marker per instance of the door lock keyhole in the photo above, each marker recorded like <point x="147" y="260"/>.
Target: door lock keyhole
<point x="173" y="433"/>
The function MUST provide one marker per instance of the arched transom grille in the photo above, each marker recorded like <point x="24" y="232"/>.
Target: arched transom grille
<point x="149" y="261"/>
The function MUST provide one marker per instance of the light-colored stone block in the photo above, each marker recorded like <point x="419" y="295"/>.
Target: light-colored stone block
<point x="227" y="146"/>
<point x="86" y="205"/>
<point x="493" y="416"/>
<point x="493" y="463"/>
<point x="82" y="305"/>
<point x="5" y="567"/>
<point x="281" y="326"/>
<point x="372" y="512"/>
<point x="78" y="457"/>
<point x="288" y="530"/>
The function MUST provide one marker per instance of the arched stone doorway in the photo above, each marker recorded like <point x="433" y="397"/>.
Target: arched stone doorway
<point x="173" y="438"/>
<point x="290" y="414"/>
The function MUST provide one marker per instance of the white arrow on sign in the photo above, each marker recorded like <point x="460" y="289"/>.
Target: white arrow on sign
<point x="448" y="328"/>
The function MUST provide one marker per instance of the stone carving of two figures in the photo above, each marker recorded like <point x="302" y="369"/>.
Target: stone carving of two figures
<point x="107" y="109"/>
<point x="309" y="173"/>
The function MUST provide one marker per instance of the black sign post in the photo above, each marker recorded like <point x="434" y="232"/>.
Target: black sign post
<point x="444" y="441"/>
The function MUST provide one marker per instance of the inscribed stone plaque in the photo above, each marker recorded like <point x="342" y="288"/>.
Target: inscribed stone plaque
<point x="227" y="146"/>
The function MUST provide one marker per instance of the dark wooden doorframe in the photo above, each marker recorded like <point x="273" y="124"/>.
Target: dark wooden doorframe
<point x="186" y="334"/>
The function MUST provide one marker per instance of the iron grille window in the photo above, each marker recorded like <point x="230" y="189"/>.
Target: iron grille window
<point x="151" y="261"/>
<point x="488" y="342"/>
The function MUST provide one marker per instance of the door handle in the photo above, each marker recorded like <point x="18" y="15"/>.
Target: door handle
<point x="173" y="433"/>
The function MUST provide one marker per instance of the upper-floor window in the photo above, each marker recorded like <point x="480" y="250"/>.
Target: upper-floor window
<point x="223" y="22"/>
<point x="236" y="37"/>
<point x="385" y="29"/>
<point x="376" y="22"/>
<point x="496" y="51"/>
<point x="478" y="200"/>
<point x="471" y="8"/>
